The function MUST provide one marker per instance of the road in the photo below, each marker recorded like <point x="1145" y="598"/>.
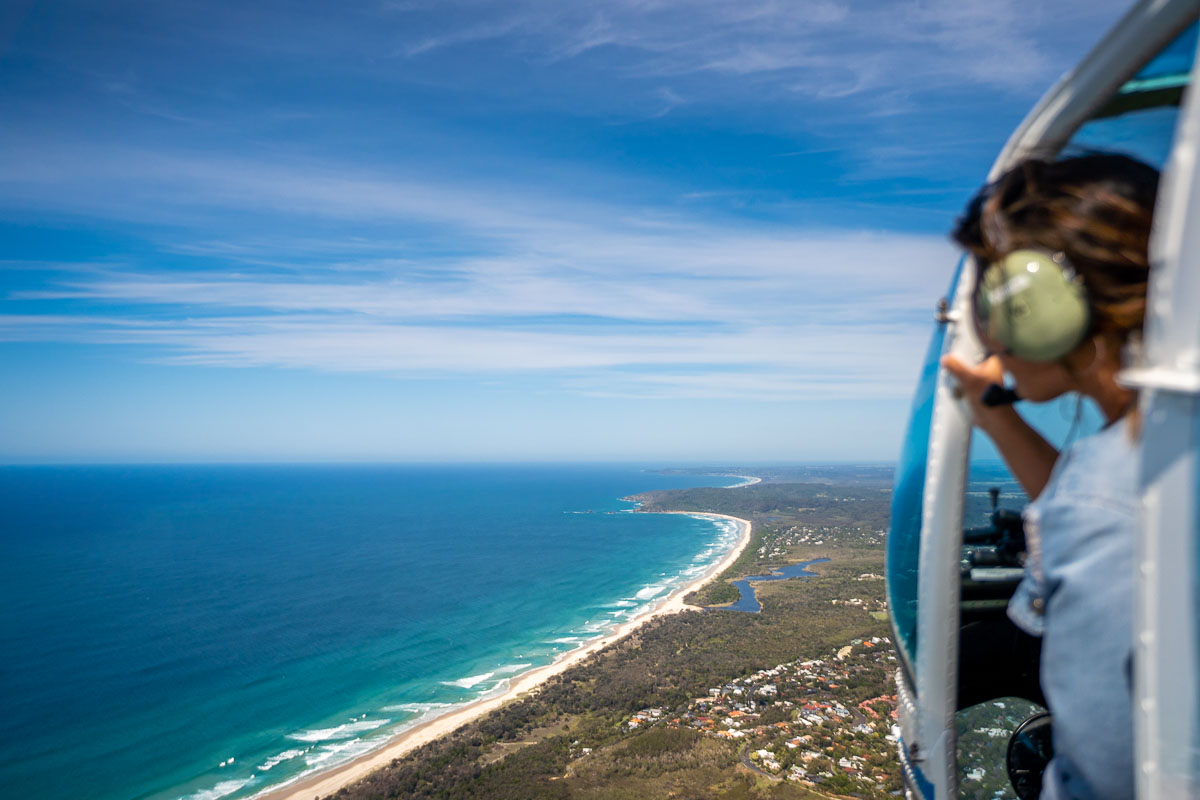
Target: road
<point x="744" y="757"/>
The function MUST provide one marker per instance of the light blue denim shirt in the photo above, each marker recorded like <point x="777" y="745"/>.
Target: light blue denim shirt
<point x="1077" y="594"/>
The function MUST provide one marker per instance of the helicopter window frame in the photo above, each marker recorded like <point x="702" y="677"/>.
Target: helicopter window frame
<point x="1140" y="120"/>
<point x="907" y="511"/>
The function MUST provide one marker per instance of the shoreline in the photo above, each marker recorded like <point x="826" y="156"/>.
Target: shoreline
<point x="749" y="480"/>
<point x="329" y="781"/>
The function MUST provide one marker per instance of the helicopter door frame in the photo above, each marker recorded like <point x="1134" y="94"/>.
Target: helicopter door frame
<point x="932" y="743"/>
<point x="1146" y="29"/>
<point x="929" y="739"/>
<point x="1167" y="647"/>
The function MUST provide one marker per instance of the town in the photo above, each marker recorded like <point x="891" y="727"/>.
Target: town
<point x="822" y="722"/>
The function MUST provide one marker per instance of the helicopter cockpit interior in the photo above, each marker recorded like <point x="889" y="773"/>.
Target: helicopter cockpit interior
<point x="971" y="709"/>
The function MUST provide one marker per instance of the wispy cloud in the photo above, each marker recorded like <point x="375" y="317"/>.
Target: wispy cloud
<point x="840" y="48"/>
<point x="564" y="286"/>
<point x="465" y="35"/>
<point x="547" y="202"/>
<point x="776" y="363"/>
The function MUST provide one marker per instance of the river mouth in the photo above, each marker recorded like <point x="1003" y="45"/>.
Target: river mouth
<point x="748" y="601"/>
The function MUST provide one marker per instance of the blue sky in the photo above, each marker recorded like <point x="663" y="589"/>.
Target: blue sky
<point x="544" y="230"/>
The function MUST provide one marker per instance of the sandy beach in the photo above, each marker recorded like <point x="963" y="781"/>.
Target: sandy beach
<point x="327" y="782"/>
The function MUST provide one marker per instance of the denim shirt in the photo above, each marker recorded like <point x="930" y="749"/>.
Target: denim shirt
<point x="1077" y="594"/>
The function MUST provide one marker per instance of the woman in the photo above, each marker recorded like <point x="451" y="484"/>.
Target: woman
<point x="1062" y="249"/>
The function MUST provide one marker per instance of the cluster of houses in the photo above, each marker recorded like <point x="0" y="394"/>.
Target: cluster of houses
<point x="808" y="720"/>
<point x="877" y="606"/>
<point x="779" y="543"/>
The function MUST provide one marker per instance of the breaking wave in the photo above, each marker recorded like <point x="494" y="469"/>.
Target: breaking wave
<point x="346" y="731"/>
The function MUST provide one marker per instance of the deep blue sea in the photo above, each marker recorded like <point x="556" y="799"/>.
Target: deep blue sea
<point x="200" y="632"/>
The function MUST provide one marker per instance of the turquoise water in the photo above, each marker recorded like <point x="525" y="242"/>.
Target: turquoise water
<point x="213" y="631"/>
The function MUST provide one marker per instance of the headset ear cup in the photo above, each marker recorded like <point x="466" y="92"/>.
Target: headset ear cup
<point x="993" y="313"/>
<point x="1033" y="304"/>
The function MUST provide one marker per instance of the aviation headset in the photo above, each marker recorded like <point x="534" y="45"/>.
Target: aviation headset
<point x="1033" y="303"/>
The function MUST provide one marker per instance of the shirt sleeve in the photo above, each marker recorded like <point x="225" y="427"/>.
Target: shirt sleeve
<point x="1027" y="606"/>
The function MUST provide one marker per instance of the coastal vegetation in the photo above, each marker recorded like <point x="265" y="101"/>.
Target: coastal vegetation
<point x="793" y="522"/>
<point x="792" y="702"/>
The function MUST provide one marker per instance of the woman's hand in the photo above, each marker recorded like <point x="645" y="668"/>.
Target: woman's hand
<point x="975" y="380"/>
<point x="1029" y="456"/>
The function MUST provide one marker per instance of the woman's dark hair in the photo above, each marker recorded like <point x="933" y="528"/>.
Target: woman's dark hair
<point x="1095" y="209"/>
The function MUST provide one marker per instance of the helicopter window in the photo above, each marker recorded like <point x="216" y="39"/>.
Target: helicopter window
<point x="1140" y="119"/>
<point x="904" y="535"/>
<point x="993" y="540"/>
<point x="1061" y="421"/>
<point x="982" y="733"/>
<point x="985" y="474"/>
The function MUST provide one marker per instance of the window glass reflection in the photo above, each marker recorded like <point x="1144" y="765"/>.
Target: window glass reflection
<point x="982" y="738"/>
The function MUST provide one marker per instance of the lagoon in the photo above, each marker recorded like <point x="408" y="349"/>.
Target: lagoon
<point x="748" y="602"/>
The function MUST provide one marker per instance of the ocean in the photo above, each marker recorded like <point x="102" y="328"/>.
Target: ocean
<point x="204" y="632"/>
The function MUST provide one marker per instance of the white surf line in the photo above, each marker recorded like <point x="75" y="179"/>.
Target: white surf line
<point x="328" y="782"/>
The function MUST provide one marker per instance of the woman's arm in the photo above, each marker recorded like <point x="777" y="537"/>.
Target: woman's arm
<point x="1028" y="455"/>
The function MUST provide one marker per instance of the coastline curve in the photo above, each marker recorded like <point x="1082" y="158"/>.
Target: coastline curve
<point x="329" y="781"/>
